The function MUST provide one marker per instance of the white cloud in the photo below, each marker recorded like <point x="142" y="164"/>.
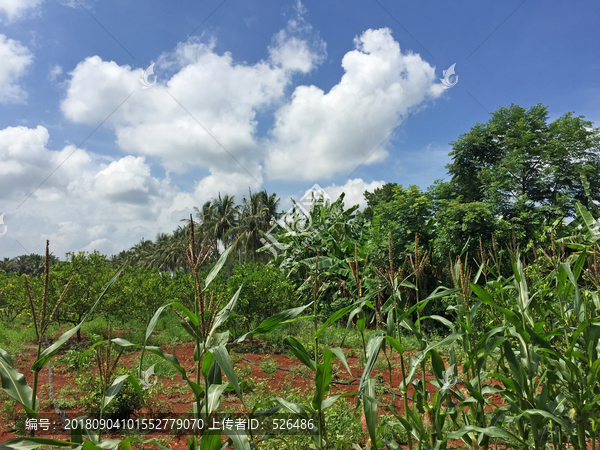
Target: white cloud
<point x="222" y="99"/>
<point x="110" y="204"/>
<point x="354" y="191"/>
<point x="202" y="104"/>
<point x="127" y="180"/>
<point x="15" y="58"/>
<point x="14" y="9"/>
<point x="210" y="103"/>
<point x="319" y="134"/>
<point x="89" y="200"/>
<point x="55" y="71"/>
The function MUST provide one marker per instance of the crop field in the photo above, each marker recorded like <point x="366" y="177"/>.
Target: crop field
<point x="426" y="321"/>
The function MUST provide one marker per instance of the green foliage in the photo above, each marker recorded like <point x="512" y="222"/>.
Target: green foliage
<point x="268" y="365"/>
<point x="93" y="274"/>
<point x="407" y="213"/>
<point x="76" y="360"/>
<point x="460" y="224"/>
<point x="265" y="291"/>
<point x="526" y="169"/>
<point x="123" y="406"/>
<point x="138" y="293"/>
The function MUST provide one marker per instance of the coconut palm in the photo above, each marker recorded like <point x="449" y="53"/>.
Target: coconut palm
<point x="218" y="218"/>
<point x="251" y="224"/>
<point x="270" y="207"/>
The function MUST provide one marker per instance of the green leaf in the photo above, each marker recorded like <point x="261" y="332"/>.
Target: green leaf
<point x="373" y="347"/>
<point x="340" y="354"/>
<point x="153" y="321"/>
<point x="223" y="359"/>
<point x="293" y="407"/>
<point x="370" y="409"/>
<point x="116" y="386"/>
<point x="223" y="315"/>
<point x="31" y="443"/>
<point x="515" y="367"/>
<point x="274" y="322"/>
<point x="395" y="344"/>
<point x="494" y="432"/>
<point x="193" y="317"/>
<point x="299" y="352"/>
<point x="15" y="385"/>
<point x="329" y="401"/>
<point x="591" y="229"/>
<point x="207" y="363"/>
<point x="437" y="364"/>
<point x="334" y="317"/>
<point x="213" y="397"/>
<point x="421" y="355"/>
<point x="239" y="439"/>
<point x="4" y="354"/>
<point x="172" y="359"/>
<point x="123" y="342"/>
<point x="323" y="379"/>
<point x="47" y="354"/>
<point x="211" y="440"/>
<point x="540" y="412"/>
<point x="217" y="268"/>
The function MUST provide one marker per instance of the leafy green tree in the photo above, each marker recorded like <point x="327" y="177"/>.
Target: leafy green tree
<point x="139" y="293"/>
<point x="383" y="194"/>
<point x="460" y="224"/>
<point x="519" y="164"/>
<point x="93" y="272"/>
<point x="405" y="214"/>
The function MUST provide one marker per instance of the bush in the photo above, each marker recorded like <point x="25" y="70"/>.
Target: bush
<point x="123" y="406"/>
<point x="76" y="360"/>
<point x="265" y="292"/>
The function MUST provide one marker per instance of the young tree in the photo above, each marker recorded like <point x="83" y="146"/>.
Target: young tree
<point x="93" y="274"/>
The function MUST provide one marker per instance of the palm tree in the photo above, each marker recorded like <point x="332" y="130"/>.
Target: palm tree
<point x="218" y="218"/>
<point x="142" y="254"/>
<point x="252" y="223"/>
<point x="271" y="206"/>
<point x="167" y="254"/>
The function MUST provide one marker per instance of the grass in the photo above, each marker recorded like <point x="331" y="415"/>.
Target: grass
<point x="16" y="336"/>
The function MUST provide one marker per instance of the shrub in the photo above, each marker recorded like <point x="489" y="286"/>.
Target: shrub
<point x="75" y="360"/>
<point x="265" y="292"/>
<point x="123" y="406"/>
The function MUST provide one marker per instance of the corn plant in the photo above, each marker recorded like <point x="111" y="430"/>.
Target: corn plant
<point x="14" y="383"/>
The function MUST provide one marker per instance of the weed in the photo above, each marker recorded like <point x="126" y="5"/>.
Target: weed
<point x="268" y="365"/>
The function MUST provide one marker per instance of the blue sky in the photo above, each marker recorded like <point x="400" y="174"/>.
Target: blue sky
<point x="280" y="95"/>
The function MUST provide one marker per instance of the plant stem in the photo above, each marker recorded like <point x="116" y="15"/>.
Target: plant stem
<point x="35" y="380"/>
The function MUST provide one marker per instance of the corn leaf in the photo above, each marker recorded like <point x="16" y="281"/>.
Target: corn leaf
<point x="15" y="385"/>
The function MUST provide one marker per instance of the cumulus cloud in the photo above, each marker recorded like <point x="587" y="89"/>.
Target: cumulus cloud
<point x="14" y="9"/>
<point x="84" y="201"/>
<point x="354" y="191"/>
<point x="204" y="110"/>
<point x="318" y="134"/>
<point x="205" y="113"/>
<point x="15" y="58"/>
